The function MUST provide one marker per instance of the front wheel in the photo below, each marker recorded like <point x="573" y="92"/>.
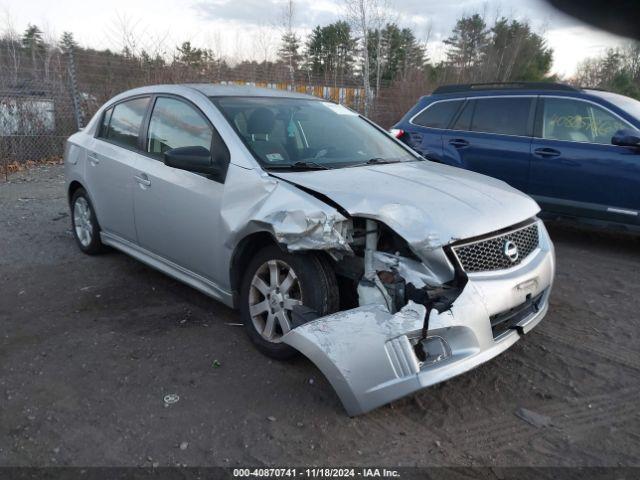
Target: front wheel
<point x="86" y="230"/>
<point x="275" y="282"/>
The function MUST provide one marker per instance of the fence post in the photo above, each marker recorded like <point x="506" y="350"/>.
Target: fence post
<point x="75" y="95"/>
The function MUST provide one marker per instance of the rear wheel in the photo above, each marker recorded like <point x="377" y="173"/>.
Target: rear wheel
<point x="275" y="282"/>
<point x="84" y="224"/>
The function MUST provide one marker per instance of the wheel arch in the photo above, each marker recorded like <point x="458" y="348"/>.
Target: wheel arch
<point x="74" y="186"/>
<point x="242" y="255"/>
<point x="245" y="251"/>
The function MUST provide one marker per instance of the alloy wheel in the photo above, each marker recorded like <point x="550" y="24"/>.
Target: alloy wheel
<point x="82" y="221"/>
<point x="274" y="291"/>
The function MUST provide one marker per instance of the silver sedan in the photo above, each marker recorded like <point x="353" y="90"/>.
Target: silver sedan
<point x="333" y="239"/>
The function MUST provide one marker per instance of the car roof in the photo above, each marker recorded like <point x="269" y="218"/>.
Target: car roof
<point x="503" y="87"/>
<point x="212" y="90"/>
<point x="455" y="91"/>
<point x="220" y="90"/>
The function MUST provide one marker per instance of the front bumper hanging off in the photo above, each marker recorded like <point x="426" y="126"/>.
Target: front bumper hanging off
<point x="368" y="354"/>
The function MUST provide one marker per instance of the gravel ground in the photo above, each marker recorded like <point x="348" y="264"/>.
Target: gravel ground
<point x="90" y="346"/>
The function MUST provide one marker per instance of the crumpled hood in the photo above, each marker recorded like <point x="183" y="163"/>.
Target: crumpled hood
<point x="428" y="204"/>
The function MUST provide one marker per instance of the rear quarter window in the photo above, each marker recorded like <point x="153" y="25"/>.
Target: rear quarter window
<point x="438" y="114"/>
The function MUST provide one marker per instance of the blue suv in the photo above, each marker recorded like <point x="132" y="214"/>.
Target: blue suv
<point x="575" y="151"/>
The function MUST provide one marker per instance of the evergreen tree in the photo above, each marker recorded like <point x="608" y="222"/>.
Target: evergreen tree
<point x="515" y="52"/>
<point x="467" y="44"/>
<point x="289" y="52"/>
<point x="32" y="39"/>
<point x="314" y="61"/>
<point x="330" y="51"/>
<point x="33" y="43"/>
<point x="67" y="42"/>
<point x="192" y="56"/>
<point x="400" y="52"/>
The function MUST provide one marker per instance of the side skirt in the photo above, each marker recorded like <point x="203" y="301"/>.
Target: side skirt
<point x="169" y="268"/>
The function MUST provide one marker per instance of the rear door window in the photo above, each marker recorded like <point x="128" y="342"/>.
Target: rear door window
<point x="438" y="114"/>
<point x="505" y="116"/>
<point x="125" y="121"/>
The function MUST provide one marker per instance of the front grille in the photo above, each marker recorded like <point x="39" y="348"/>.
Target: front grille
<point x="488" y="254"/>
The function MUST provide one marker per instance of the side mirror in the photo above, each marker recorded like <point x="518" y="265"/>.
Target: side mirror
<point x="626" y="138"/>
<point x="192" y="159"/>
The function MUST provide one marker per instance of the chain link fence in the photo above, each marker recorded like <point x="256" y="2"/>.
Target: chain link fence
<point x="36" y="112"/>
<point x="45" y="99"/>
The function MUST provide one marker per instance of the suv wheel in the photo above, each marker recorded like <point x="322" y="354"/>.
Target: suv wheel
<point x="86" y="230"/>
<point x="276" y="281"/>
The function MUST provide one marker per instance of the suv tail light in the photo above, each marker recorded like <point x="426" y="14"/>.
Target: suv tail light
<point x="397" y="132"/>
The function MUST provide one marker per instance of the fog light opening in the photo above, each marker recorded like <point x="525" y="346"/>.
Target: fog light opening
<point x="432" y="350"/>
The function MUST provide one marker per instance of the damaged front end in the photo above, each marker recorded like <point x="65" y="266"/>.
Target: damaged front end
<point x="420" y="317"/>
<point x="419" y="305"/>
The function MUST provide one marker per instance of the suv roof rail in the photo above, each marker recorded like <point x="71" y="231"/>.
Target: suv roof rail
<point x="471" y="87"/>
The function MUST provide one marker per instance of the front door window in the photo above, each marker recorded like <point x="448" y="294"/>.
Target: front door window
<point x="577" y="121"/>
<point x="175" y="124"/>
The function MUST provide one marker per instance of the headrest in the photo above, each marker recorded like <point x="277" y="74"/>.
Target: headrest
<point x="261" y="122"/>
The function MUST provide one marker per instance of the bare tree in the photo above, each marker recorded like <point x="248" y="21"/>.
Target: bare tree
<point x="238" y="47"/>
<point x="50" y="50"/>
<point x="380" y="16"/>
<point x="124" y="33"/>
<point x="632" y="59"/>
<point x="214" y="44"/>
<point x="290" y="42"/>
<point x="13" y="47"/>
<point x="363" y="15"/>
<point x="263" y="41"/>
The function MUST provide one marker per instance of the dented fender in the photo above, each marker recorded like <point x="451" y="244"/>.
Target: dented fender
<point x="298" y="221"/>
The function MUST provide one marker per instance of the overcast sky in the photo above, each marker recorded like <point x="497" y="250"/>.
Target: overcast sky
<point x="250" y="28"/>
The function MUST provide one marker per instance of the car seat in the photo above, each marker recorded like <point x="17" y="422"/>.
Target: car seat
<point x="259" y="128"/>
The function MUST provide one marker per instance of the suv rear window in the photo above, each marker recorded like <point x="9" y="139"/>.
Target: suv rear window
<point x="506" y="116"/>
<point x="438" y="114"/>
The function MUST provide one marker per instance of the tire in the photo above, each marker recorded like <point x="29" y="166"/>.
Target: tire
<point x="313" y="284"/>
<point x="84" y="223"/>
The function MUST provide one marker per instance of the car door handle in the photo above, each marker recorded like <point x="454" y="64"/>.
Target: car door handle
<point x="546" y="152"/>
<point x="93" y="158"/>
<point x="459" y="143"/>
<point x="142" y="179"/>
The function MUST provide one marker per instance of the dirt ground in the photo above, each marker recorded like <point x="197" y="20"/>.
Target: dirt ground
<point x="89" y="347"/>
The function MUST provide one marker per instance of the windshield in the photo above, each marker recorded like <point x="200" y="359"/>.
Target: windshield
<point x="628" y="104"/>
<point x="301" y="133"/>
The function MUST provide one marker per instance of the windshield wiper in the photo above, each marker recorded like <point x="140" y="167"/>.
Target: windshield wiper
<point x="374" y="161"/>
<point x="304" y="165"/>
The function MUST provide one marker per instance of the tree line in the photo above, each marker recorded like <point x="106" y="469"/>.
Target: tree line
<point x="507" y="50"/>
<point x="367" y="48"/>
<point x="618" y="70"/>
